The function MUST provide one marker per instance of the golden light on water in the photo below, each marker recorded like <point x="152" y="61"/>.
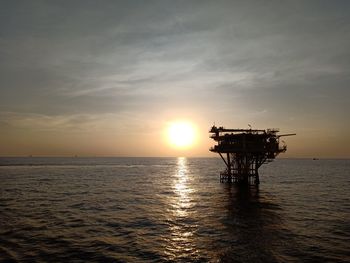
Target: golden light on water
<point x="181" y="240"/>
<point x="182" y="189"/>
<point x="181" y="134"/>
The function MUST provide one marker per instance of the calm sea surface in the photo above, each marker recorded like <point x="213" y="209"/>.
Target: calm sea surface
<point x="172" y="209"/>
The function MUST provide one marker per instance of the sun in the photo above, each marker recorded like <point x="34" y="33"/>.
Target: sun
<point x="181" y="134"/>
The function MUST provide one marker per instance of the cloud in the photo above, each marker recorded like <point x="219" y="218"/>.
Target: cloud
<point x="64" y="61"/>
<point x="41" y="122"/>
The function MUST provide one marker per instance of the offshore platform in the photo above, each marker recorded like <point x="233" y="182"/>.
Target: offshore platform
<point x="245" y="151"/>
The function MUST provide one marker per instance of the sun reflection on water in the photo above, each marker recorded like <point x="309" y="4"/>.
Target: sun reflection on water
<point x="182" y="190"/>
<point x="183" y="220"/>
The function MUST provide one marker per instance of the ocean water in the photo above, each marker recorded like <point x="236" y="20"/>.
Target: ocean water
<point x="172" y="210"/>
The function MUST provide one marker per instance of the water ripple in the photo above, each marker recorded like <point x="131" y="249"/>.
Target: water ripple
<point x="171" y="209"/>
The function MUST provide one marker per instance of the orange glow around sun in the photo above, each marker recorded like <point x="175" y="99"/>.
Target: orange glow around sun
<point x="181" y="134"/>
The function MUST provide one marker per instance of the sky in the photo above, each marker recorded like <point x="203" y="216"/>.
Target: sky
<point x="106" y="78"/>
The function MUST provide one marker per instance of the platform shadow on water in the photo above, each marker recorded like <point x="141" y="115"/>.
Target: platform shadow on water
<point x="255" y="226"/>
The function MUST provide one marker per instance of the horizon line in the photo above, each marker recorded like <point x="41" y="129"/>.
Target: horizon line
<point x="91" y="156"/>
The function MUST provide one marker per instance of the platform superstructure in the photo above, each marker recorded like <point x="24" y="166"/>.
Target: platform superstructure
<point x="245" y="150"/>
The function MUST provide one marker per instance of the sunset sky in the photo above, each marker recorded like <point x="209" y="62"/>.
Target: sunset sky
<point x="107" y="78"/>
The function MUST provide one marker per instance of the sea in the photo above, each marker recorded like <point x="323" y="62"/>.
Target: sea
<point x="172" y="210"/>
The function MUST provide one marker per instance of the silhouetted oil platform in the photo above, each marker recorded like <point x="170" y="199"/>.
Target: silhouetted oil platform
<point x="246" y="150"/>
